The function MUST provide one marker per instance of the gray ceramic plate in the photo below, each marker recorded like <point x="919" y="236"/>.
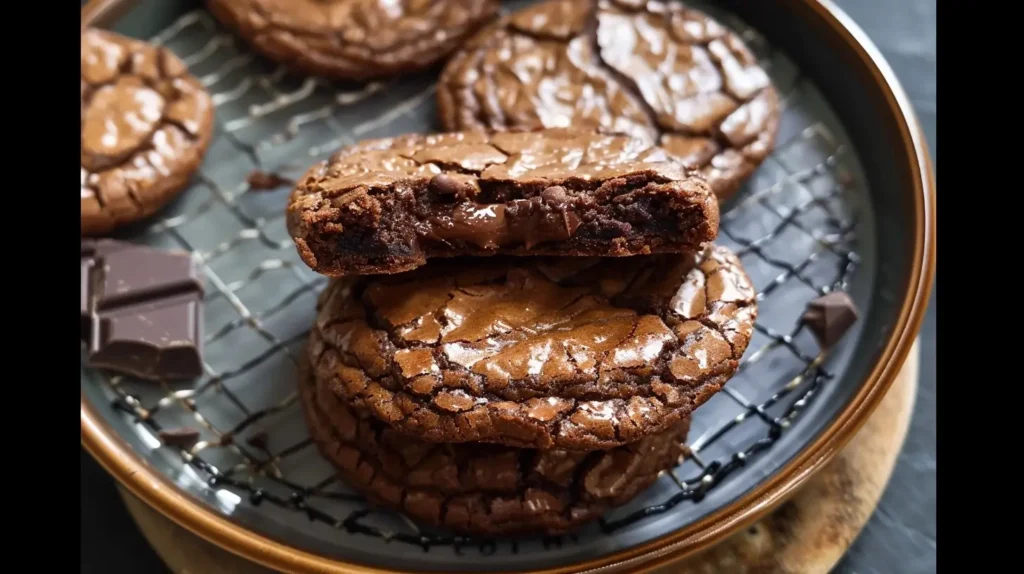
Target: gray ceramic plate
<point x="845" y="202"/>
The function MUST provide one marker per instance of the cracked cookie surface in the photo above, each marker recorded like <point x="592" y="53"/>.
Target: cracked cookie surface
<point x="146" y="123"/>
<point x="386" y="206"/>
<point x="653" y="69"/>
<point x="482" y="489"/>
<point x="574" y="353"/>
<point x="354" y="39"/>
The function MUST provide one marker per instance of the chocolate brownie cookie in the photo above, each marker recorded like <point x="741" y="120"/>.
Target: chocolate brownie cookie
<point x="354" y="39"/>
<point x="385" y="206"/>
<point x="658" y="70"/>
<point x="478" y="488"/>
<point x="146" y="123"/>
<point x="575" y="353"/>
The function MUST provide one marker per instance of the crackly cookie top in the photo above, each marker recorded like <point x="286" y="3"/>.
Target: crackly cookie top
<point x="577" y="353"/>
<point x="482" y="488"/>
<point x="145" y="124"/>
<point x="484" y="166"/>
<point x="653" y="69"/>
<point x="355" y="38"/>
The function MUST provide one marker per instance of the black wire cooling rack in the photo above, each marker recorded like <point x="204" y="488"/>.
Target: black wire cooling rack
<point x="793" y="225"/>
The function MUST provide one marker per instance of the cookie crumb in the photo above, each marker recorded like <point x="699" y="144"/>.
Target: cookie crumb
<point x="265" y="181"/>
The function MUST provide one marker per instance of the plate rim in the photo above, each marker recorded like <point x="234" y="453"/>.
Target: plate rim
<point x="156" y="490"/>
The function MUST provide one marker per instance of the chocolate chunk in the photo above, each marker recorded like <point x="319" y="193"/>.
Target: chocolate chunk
<point x="555" y="195"/>
<point x="185" y="437"/>
<point x="504" y="350"/>
<point x="264" y="181"/>
<point x="386" y="206"/>
<point x="829" y="317"/>
<point x="141" y="310"/>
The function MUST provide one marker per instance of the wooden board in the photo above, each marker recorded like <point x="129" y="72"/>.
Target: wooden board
<point x="807" y="535"/>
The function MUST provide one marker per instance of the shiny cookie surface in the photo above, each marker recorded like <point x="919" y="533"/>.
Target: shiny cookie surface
<point x="573" y="353"/>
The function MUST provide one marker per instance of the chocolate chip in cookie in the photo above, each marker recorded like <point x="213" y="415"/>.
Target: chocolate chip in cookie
<point x="829" y="317"/>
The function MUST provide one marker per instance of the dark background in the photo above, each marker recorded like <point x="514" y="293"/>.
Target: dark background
<point x="902" y="530"/>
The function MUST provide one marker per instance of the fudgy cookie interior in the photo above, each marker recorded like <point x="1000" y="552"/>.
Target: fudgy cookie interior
<point x="385" y="206"/>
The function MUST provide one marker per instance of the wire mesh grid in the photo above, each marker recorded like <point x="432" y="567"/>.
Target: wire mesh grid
<point x="792" y="226"/>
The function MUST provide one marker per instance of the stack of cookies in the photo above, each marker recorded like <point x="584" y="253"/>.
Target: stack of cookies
<point x="526" y="308"/>
<point x="520" y="323"/>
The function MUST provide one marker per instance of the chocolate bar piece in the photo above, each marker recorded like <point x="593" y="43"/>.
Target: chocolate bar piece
<point x="92" y="250"/>
<point x="141" y="310"/>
